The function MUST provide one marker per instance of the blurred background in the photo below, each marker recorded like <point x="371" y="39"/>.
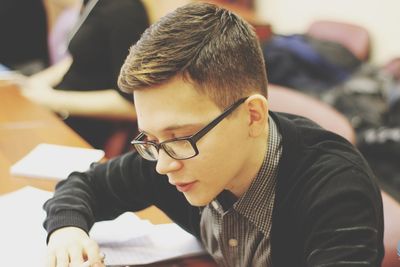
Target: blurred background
<point x="380" y="18"/>
<point x="335" y="62"/>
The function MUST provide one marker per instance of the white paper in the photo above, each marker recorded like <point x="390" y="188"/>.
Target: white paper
<point x="164" y="242"/>
<point x="55" y="161"/>
<point x="127" y="240"/>
<point x="121" y="229"/>
<point x="22" y="236"/>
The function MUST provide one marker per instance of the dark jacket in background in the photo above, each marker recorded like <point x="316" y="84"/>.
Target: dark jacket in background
<point x="23" y="30"/>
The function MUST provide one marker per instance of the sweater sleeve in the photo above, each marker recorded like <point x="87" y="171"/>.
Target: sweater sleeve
<point x="103" y="192"/>
<point x="343" y="223"/>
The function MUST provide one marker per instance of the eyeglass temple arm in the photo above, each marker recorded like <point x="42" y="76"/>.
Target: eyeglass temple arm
<point x="223" y="115"/>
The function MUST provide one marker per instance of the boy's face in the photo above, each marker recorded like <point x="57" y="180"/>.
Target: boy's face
<point x="176" y="109"/>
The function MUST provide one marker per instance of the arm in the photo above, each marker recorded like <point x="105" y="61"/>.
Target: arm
<point x="105" y="102"/>
<point x="100" y="103"/>
<point x="343" y="224"/>
<point x="104" y="192"/>
<point x="53" y="74"/>
<point x="126" y="183"/>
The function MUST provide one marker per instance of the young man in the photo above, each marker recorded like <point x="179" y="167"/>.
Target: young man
<point x="256" y="187"/>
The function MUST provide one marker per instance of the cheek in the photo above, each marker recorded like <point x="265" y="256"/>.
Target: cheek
<point x="225" y="145"/>
<point x="217" y="161"/>
<point x="220" y="155"/>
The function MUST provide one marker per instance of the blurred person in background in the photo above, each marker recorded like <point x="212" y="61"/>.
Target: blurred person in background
<point x="83" y="87"/>
<point x="23" y="29"/>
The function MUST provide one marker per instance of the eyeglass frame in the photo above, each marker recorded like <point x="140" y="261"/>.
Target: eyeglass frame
<point x="192" y="139"/>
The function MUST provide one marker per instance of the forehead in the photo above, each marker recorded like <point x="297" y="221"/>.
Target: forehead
<point x="172" y="104"/>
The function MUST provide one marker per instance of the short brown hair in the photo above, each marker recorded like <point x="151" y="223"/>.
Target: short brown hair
<point x="208" y="45"/>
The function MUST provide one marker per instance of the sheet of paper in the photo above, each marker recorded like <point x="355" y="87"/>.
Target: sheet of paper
<point x="127" y="240"/>
<point x="121" y="229"/>
<point x="55" y="161"/>
<point x="22" y="236"/>
<point x="163" y="242"/>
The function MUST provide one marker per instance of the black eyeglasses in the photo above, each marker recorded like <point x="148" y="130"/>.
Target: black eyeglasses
<point x="182" y="147"/>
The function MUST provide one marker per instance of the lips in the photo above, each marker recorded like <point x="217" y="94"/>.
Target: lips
<point x="184" y="187"/>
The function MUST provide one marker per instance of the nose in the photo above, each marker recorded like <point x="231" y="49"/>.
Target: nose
<point x="166" y="164"/>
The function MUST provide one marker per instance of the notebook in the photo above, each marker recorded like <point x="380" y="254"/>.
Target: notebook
<point x="55" y="161"/>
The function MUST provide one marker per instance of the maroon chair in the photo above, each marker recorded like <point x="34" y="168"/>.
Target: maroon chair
<point x="354" y="37"/>
<point x="290" y="101"/>
<point x="391" y="213"/>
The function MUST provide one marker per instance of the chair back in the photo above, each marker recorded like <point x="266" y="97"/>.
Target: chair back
<point x="391" y="237"/>
<point x="354" y="37"/>
<point x="283" y="99"/>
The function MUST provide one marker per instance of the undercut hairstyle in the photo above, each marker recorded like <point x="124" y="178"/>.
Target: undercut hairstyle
<point x="209" y="46"/>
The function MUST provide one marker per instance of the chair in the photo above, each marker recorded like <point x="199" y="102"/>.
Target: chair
<point x="354" y="37"/>
<point x="391" y="213"/>
<point x="283" y="99"/>
<point x="286" y="100"/>
<point x="393" y="68"/>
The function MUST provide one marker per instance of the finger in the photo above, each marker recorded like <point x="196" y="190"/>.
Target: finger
<point x="62" y="258"/>
<point x="101" y="263"/>
<point x="103" y="256"/>
<point x="51" y="260"/>
<point x="92" y="252"/>
<point x="76" y="256"/>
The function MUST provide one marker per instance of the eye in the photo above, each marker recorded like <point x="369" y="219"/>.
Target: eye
<point x="185" y="133"/>
<point x="150" y="139"/>
<point x="183" y="136"/>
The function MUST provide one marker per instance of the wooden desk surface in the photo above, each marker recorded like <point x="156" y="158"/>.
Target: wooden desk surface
<point x="23" y="125"/>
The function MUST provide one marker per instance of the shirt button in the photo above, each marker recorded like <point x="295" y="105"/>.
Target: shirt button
<point x="233" y="242"/>
<point x="215" y="205"/>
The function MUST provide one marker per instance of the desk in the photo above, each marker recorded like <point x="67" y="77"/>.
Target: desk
<point x="23" y="125"/>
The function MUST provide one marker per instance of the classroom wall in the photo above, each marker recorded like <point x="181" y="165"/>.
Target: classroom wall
<point x="381" y="18"/>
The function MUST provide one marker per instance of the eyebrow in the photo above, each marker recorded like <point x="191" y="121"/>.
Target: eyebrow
<point x="175" y="127"/>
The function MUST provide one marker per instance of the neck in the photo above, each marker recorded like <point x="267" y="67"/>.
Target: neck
<point x="252" y="166"/>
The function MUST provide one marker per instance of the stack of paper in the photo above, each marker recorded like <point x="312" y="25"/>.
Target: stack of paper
<point x="55" y="161"/>
<point x="22" y="236"/>
<point x="127" y="240"/>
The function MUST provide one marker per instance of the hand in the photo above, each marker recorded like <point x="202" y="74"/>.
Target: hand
<point x="39" y="92"/>
<point x="71" y="246"/>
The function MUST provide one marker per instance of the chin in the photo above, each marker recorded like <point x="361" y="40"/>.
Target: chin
<point x="198" y="201"/>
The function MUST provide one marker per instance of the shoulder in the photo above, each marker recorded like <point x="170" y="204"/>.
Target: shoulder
<point x="316" y="163"/>
<point x="113" y="7"/>
<point x="122" y="17"/>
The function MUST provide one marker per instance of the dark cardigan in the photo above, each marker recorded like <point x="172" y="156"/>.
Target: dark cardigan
<point x="328" y="209"/>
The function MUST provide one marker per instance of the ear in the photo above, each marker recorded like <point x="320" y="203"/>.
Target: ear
<point x="257" y="109"/>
